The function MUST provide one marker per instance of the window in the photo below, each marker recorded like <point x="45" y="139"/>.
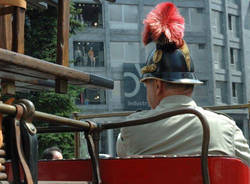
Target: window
<point x="196" y="19"/>
<point x="186" y="14"/>
<point x="130" y="14"/>
<point x="201" y="46"/>
<point x="233" y="25"/>
<point x="237" y="92"/>
<point x="92" y="96"/>
<point x="247" y="18"/>
<point x="235" y="59"/>
<point x="217" y="21"/>
<point x="90" y="14"/>
<point x="221" y="92"/>
<point x="232" y="55"/>
<point x="232" y="1"/>
<point x="198" y="52"/>
<point x="122" y="52"/>
<point x="218" y="95"/>
<point x="230" y="26"/>
<point x="123" y="16"/>
<point x="88" y="54"/>
<point x="218" y="52"/>
<point x="116" y="13"/>
<point x="199" y="10"/>
<point x="234" y="89"/>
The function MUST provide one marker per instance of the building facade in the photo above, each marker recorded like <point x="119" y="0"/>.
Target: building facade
<point x="217" y="33"/>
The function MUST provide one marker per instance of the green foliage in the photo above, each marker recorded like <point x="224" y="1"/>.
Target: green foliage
<point x="41" y="33"/>
<point x="75" y="25"/>
<point x="57" y="104"/>
<point x="41" y="42"/>
<point x="54" y="103"/>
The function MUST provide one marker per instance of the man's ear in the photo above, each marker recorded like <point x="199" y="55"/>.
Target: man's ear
<point x="158" y="87"/>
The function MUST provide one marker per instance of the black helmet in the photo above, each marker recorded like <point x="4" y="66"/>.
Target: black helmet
<point x="170" y="61"/>
<point x="170" y="64"/>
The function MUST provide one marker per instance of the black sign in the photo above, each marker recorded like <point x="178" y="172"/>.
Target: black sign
<point x="134" y="91"/>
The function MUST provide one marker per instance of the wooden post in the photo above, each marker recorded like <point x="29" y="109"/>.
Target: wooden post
<point x="11" y="38"/>
<point x="18" y="30"/>
<point x="5" y="30"/>
<point x="12" y="34"/>
<point x="8" y="87"/>
<point x="61" y="86"/>
<point x="62" y="41"/>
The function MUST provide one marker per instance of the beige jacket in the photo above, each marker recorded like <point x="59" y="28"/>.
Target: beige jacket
<point x="182" y="134"/>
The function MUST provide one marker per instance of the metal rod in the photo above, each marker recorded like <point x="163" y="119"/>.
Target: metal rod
<point x="120" y="114"/>
<point x="228" y="107"/>
<point x="104" y="115"/>
<point x="61" y="120"/>
<point x="11" y="110"/>
<point x="58" y="129"/>
<point x="203" y="120"/>
<point x="7" y="109"/>
<point x="94" y="156"/>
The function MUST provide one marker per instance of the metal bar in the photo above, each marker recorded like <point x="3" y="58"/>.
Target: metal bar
<point x="61" y="120"/>
<point x="7" y="109"/>
<point x="94" y="155"/>
<point x="104" y="115"/>
<point x="11" y="110"/>
<point x="228" y="107"/>
<point x="90" y="125"/>
<point x="58" y="129"/>
<point x="205" y="126"/>
<point x="119" y="114"/>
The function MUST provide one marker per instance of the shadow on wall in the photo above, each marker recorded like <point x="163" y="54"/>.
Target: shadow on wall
<point x="247" y="19"/>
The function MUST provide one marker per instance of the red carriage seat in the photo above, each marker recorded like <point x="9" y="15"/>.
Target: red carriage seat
<point x="147" y="170"/>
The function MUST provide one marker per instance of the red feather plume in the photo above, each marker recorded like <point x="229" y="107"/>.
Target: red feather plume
<point x="165" y="20"/>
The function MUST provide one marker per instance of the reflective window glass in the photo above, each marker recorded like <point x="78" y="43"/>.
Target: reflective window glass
<point x="88" y="54"/>
<point x="91" y="96"/>
<point x="91" y="14"/>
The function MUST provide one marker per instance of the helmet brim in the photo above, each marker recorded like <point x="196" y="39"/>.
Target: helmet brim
<point x="174" y="81"/>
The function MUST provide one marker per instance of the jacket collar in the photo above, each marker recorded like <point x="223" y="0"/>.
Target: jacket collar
<point x="176" y="101"/>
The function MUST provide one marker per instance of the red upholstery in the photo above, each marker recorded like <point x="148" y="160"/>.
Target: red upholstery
<point x="223" y="170"/>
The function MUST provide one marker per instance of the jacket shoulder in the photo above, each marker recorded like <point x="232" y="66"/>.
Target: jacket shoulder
<point x="220" y="113"/>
